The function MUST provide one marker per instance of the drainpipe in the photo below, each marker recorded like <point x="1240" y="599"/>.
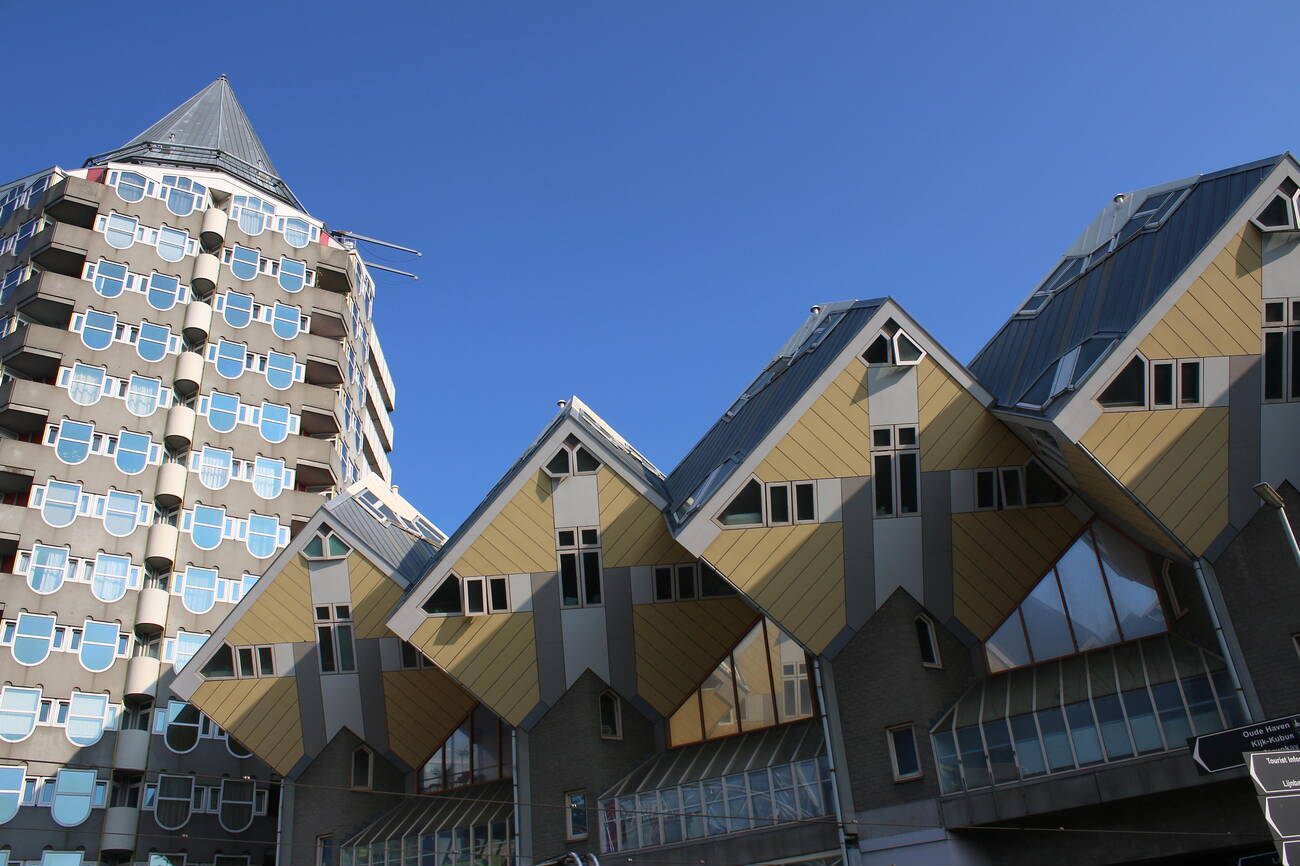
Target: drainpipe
<point x="830" y="758"/>
<point x="514" y="787"/>
<point x="1229" y="657"/>
<point x="286" y="805"/>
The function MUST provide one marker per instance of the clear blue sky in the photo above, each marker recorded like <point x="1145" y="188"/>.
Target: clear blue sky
<point x="637" y="203"/>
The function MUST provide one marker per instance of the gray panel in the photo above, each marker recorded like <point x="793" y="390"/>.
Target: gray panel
<point x="936" y="543"/>
<point x="371" y="681"/>
<point x="311" y="707"/>
<point x="618" y="630"/>
<point x="406" y="556"/>
<point x="1244" y="388"/>
<point x="549" y="635"/>
<point x="859" y="553"/>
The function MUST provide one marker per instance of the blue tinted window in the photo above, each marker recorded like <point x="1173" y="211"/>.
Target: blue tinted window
<point x="293" y="274"/>
<point x="97" y="329"/>
<point x="215" y="465"/>
<point x="237" y="309"/>
<point x="110" y="278"/>
<point x="268" y="477"/>
<point x="110" y="577"/>
<point x="86" y="384"/>
<point x="130" y="186"/>
<point x="48" y="567"/>
<point x="200" y="591"/>
<point x="223" y="411"/>
<point x="132" y="452"/>
<point x="86" y="714"/>
<point x="163" y="291"/>
<point x="142" y="396"/>
<point x="263" y="535"/>
<point x="230" y="359"/>
<point x="152" y="342"/>
<point x="182" y="194"/>
<point x="172" y="244"/>
<point x="275" y="422"/>
<point x="187" y="645"/>
<point x="18" y="707"/>
<point x="73" y="790"/>
<point x="72" y="445"/>
<point x="11" y="790"/>
<point x="32" y="638"/>
<point x="208" y="526"/>
<point x="296" y="232"/>
<point x="280" y="370"/>
<point x="98" y="645"/>
<point x="244" y="262"/>
<point x="59" y="507"/>
<point x="121" y="513"/>
<point x="119" y="231"/>
<point x="285" y="320"/>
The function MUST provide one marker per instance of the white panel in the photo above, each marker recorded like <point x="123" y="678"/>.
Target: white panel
<point x="891" y="395"/>
<point x="962" y="485"/>
<point x="329" y="582"/>
<point x="1278" y="455"/>
<point x="898" y="557"/>
<point x="390" y="654"/>
<point x="575" y="502"/>
<point x="642" y="577"/>
<point x="282" y="653"/>
<point x="521" y="592"/>
<point x="585" y="643"/>
<point x="1214" y="381"/>
<point x="1281" y="265"/>
<point x="830" y="500"/>
<point x="341" y="698"/>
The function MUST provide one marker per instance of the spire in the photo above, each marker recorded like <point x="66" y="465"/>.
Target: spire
<point x="208" y="130"/>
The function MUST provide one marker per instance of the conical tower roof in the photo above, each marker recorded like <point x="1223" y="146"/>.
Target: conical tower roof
<point x="208" y="130"/>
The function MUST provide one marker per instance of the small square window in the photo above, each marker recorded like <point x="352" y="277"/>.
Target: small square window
<point x="778" y="504"/>
<point x="906" y="436"/>
<point x="342" y="611"/>
<point x="322" y="613"/>
<point x="902" y="753"/>
<point x="1275" y="312"/>
<point x="566" y="538"/>
<point x="590" y="537"/>
<point x="686" y="587"/>
<point x="986" y="490"/>
<point x="663" y="576"/>
<point x="805" y="502"/>
<point x="882" y="437"/>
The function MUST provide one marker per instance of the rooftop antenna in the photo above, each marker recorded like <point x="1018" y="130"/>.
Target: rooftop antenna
<point x="342" y="233"/>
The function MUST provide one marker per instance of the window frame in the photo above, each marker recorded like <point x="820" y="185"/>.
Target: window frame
<point x="369" y="783"/>
<point x="610" y="698"/>
<point x="892" y="742"/>
<point x="932" y="637"/>
<point x="574" y="800"/>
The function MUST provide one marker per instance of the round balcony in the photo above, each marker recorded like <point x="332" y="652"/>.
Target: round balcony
<point x="131" y="751"/>
<point x="170" y="489"/>
<point x="118" y="834"/>
<point x="189" y="372"/>
<point x="213" y="233"/>
<point x="141" y="677"/>
<point x="160" y="548"/>
<point x="151" y="610"/>
<point x="198" y="319"/>
<point x="206" y="269"/>
<point x="179" y="429"/>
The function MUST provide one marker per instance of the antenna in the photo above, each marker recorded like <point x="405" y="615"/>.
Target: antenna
<point x="342" y="233"/>
<point x="389" y="270"/>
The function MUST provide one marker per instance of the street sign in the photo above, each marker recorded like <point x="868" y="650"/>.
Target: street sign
<point x="1276" y="772"/>
<point x="1276" y="775"/>
<point x="1214" y="753"/>
<point x="1290" y="853"/>
<point x="1283" y="814"/>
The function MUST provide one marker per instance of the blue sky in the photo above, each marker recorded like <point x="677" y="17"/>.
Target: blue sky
<point x="637" y="203"/>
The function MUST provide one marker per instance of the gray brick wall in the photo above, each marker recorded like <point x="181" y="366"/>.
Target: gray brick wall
<point x="566" y="754"/>
<point x="324" y="803"/>
<point x="880" y="682"/>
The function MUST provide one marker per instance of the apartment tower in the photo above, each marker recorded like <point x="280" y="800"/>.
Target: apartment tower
<point x="188" y="370"/>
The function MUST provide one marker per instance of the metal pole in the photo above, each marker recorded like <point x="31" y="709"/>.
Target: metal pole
<point x="830" y="757"/>
<point x="1290" y="534"/>
<point x="370" y="240"/>
<point x="1228" y="658"/>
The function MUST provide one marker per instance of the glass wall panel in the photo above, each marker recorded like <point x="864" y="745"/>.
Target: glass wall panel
<point x="754" y="681"/>
<point x="1001" y="755"/>
<point x="1056" y="739"/>
<point x="1200" y="702"/>
<point x="1029" y="749"/>
<point x="974" y="765"/>
<point x="945" y="756"/>
<point x="1114" y="730"/>
<point x="1044" y="613"/>
<point x="1083" y="733"/>
<point x="1173" y="715"/>
<point x="1085" y="595"/>
<point x="1007" y="648"/>
<point x="1131" y="584"/>
<point x="719" y="703"/>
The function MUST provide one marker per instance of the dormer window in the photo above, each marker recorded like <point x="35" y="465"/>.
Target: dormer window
<point x="573" y="458"/>
<point x="893" y="346"/>
<point x="1277" y="215"/>
<point x="326" y="545"/>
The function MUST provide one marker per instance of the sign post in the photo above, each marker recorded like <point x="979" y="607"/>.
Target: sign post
<point x="1276" y="776"/>
<point x="1225" y="750"/>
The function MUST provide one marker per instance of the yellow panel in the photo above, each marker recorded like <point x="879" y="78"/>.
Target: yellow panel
<point x="261" y="713"/>
<point x="632" y="530"/>
<point x="1175" y="461"/>
<point x="423" y="707"/>
<point x="1104" y="494"/>
<point x="957" y="432"/>
<point x="374" y="594"/>
<point x="282" y="612"/>
<point x="795" y="573"/>
<point x="679" y="643"/>
<point x="998" y="556"/>
<point x="1220" y="312"/>
<point x="520" y="539"/>
<point x="831" y="440"/>
<point x="494" y="657"/>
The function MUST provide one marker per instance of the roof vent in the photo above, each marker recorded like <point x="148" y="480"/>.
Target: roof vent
<point x="561" y="403"/>
<point x="1119" y="198"/>
<point x="815" y="309"/>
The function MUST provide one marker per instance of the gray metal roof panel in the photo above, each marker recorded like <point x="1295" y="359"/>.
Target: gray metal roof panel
<point x="208" y="130"/>
<point x="429" y="813"/>
<point x="405" y="556"/>
<point x="736" y="436"/>
<point x="1113" y="296"/>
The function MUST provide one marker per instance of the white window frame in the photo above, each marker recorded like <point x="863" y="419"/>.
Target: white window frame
<point x="932" y="635"/>
<point x="893" y="752"/>
<point x="570" y="833"/>
<point x="893" y="451"/>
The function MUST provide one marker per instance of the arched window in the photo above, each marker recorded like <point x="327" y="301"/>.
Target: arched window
<point x="237" y="309"/>
<point x="172" y="243"/>
<point x="119" y="230"/>
<point x="296" y="232"/>
<point x="72" y="441"/>
<point x="87" y="714"/>
<point x="121" y="513"/>
<point x="110" y="278"/>
<point x="281" y="370"/>
<point x="215" y="465"/>
<point x="184" y="646"/>
<point x="928" y="642"/>
<point x="362" y="768"/>
<point x="130" y="186"/>
<point x="98" y="645"/>
<point x="236" y="748"/>
<point x="263" y="535"/>
<point x="18" y="709"/>
<point x="163" y="291"/>
<point x="207" y="526"/>
<point x="293" y="275"/>
<point x="33" y="637"/>
<point x="182" y="733"/>
<point x="49" y="566"/>
<point x="230" y="358"/>
<point x="143" y="396"/>
<point x="285" y="321"/>
<point x="153" y="341"/>
<point x="98" y="329"/>
<point x="73" y="792"/>
<point x="108" y="582"/>
<point x="86" y="384"/>
<point x="223" y="411"/>
<point x="244" y="262"/>
<point x="182" y="194"/>
<point x="60" y="502"/>
<point x="236" y="810"/>
<point x="251" y="213"/>
<point x="268" y="477"/>
<point x="11" y="790"/>
<point x="199" y="589"/>
<point x="172" y="807"/>
<point x="132" y="454"/>
<point x="274" y="423"/>
<point x="611" y="716"/>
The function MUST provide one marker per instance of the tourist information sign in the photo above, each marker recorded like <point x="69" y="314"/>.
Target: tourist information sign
<point x="1226" y="749"/>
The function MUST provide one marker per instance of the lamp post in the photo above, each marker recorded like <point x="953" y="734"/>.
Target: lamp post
<point x="1268" y="494"/>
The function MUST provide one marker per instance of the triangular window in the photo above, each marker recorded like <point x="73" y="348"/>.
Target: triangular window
<point x="446" y="598"/>
<point x="746" y="507"/>
<point x="1100" y="592"/>
<point x="1277" y="215"/>
<point x="1129" y="387"/>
